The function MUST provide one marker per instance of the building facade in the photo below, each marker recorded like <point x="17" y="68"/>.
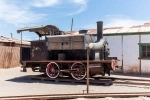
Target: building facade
<point x="133" y="51"/>
<point x="10" y="52"/>
<point x="131" y="45"/>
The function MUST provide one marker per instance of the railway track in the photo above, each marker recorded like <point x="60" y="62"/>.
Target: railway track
<point x="97" y="80"/>
<point x="74" y="96"/>
<point x="130" y="81"/>
<point x="114" y="78"/>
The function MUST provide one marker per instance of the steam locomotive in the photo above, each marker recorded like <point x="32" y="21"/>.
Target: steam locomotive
<point x="65" y="54"/>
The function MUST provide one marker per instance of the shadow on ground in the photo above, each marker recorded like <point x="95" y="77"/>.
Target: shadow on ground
<point x="26" y="79"/>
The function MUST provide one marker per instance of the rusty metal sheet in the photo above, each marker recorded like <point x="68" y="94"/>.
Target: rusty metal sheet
<point x="38" y="28"/>
<point x="65" y="42"/>
<point x="38" y="50"/>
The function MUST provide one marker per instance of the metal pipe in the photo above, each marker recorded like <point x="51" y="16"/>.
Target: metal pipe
<point x="11" y="35"/>
<point x="99" y="30"/>
<point x="100" y="42"/>
<point x="97" y="46"/>
<point x="87" y="80"/>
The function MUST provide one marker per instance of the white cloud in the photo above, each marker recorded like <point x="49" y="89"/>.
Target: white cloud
<point x="117" y="21"/>
<point x="79" y="1"/>
<point x="45" y="3"/>
<point x="123" y="21"/>
<point x="2" y="25"/>
<point x="82" y="6"/>
<point x="81" y="9"/>
<point x="16" y="14"/>
<point x="20" y="14"/>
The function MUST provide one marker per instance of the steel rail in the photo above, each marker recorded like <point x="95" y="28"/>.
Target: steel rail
<point x="108" y="81"/>
<point x="130" y="79"/>
<point x="74" y="96"/>
<point x="131" y="83"/>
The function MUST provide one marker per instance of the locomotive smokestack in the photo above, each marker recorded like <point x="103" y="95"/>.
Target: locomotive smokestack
<point x="99" y="30"/>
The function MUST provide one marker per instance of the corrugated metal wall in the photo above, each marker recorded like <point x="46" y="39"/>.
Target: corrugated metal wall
<point x="145" y="68"/>
<point x="126" y="49"/>
<point x="131" y="54"/>
<point x="9" y="57"/>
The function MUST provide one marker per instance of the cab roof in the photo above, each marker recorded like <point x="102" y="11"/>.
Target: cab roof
<point x="40" y="30"/>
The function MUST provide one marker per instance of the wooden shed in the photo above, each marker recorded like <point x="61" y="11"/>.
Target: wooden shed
<point x="10" y="52"/>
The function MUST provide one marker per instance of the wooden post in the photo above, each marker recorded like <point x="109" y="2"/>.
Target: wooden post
<point x="87" y="71"/>
<point x="21" y="49"/>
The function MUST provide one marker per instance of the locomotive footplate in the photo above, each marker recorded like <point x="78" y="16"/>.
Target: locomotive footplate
<point x="68" y="61"/>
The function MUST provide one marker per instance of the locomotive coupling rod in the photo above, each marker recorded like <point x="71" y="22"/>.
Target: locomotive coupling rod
<point x="87" y="70"/>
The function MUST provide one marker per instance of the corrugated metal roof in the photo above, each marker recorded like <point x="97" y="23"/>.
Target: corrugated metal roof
<point x="40" y="30"/>
<point x="112" y="30"/>
<point x="90" y="31"/>
<point x="5" y="39"/>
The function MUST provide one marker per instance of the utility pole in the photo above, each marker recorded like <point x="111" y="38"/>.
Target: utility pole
<point x="11" y="35"/>
<point x="71" y="24"/>
<point x="87" y="71"/>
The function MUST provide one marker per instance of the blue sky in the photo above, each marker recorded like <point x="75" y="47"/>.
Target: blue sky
<point x="15" y="14"/>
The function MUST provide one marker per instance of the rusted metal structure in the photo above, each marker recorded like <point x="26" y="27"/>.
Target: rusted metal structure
<point x="65" y="54"/>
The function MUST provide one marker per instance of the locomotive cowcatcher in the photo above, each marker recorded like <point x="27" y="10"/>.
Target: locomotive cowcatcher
<point x="65" y="54"/>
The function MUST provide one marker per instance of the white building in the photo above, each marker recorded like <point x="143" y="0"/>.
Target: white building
<point x="131" y="45"/>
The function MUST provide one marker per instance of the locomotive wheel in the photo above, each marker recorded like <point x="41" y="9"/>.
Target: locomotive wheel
<point x="78" y="71"/>
<point x="52" y="70"/>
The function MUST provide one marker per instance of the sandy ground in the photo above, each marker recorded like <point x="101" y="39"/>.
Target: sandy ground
<point x="13" y="82"/>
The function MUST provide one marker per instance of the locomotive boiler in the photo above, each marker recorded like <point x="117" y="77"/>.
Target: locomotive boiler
<point x="65" y="54"/>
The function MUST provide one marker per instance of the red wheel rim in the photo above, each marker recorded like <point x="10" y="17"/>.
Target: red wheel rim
<point x="78" y="71"/>
<point x="52" y="70"/>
